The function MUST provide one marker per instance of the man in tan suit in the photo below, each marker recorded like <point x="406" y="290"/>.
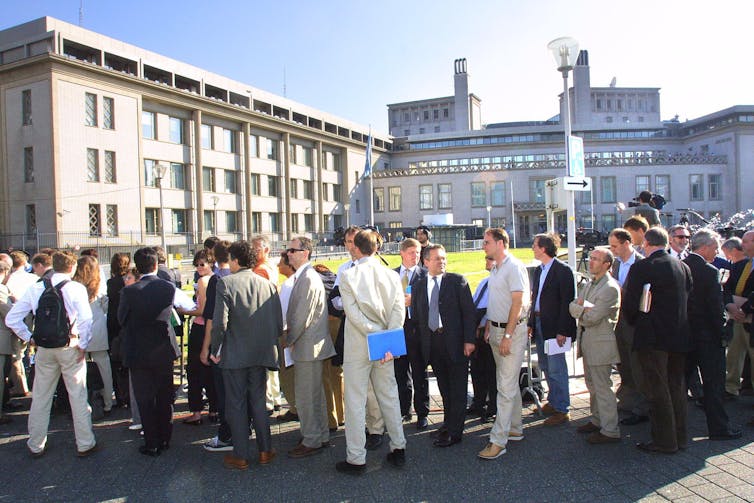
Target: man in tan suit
<point x="372" y="300"/>
<point x="596" y="310"/>
<point x="310" y="343"/>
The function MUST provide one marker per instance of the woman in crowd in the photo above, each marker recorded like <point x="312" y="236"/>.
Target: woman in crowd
<point x="88" y="274"/>
<point x="118" y="269"/>
<point x="199" y="375"/>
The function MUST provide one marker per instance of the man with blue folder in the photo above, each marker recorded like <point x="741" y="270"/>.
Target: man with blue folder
<point x="373" y="300"/>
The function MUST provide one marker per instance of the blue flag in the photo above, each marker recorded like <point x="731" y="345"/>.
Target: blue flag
<point x="368" y="163"/>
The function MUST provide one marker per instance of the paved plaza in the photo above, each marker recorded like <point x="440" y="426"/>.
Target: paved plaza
<point x="551" y="464"/>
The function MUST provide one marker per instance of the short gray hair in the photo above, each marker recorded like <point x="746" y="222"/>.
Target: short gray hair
<point x="656" y="236"/>
<point x="733" y="243"/>
<point x="704" y="237"/>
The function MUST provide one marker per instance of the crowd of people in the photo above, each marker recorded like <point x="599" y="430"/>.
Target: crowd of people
<point x="656" y="305"/>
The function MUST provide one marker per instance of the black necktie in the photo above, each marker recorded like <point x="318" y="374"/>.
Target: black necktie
<point x="481" y="294"/>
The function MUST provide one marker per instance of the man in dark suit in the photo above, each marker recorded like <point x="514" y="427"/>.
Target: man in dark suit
<point x="444" y="311"/>
<point x="552" y="291"/>
<point x="246" y="325"/>
<point x="661" y="339"/>
<point x="149" y="348"/>
<point x="740" y="284"/>
<point x="706" y="321"/>
<point x="410" y="368"/>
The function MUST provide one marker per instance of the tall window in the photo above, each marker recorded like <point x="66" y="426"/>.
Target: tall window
<point x="308" y="222"/>
<point x="255" y="184"/>
<point x="607" y="189"/>
<point x="90" y="109"/>
<point x="274" y="222"/>
<point x="231" y="221"/>
<point x="178" y="220"/>
<point x="379" y="199"/>
<point x="308" y="189"/>
<point x="31" y="219"/>
<point x="272" y="149"/>
<point x="148" y="130"/>
<point x="26" y="107"/>
<point x="642" y="183"/>
<point x="308" y="156"/>
<point x="256" y="222"/>
<point x="478" y="194"/>
<point x="177" y="175"/>
<point x="28" y="165"/>
<point x="206" y="136"/>
<point x="230" y="181"/>
<point x="92" y="165"/>
<point x="336" y="193"/>
<point x="149" y="178"/>
<point x="497" y="193"/>
<point x="394" y="198"/>
<point x="95" y="220"/>
<point x="110" y="172"/>
<point x="714" y="187"/>
<point x="209" y="221"/>
<point x="426" y="201"/>
<point x="335" y="162"/>
<point x="108" y="113"/>
<point x="273" y="186"/>
<point x="294" y="223"/>
<point x="444" y="198"/>
<point x="229" y="141"/>
<point x="151" y="220"/>
<point x="696" y="187"/>
<point x="111" y="219"/>
<point x="537" y="191"/>
<point x="292" y="157"/>
<point x="662" y="186"/>
<point x="325" y="192"/>
<point x="253" y="141"/>
<point x="294" y="188"/>
<point x="208" y="179"/>
<point x="176" y="130"/>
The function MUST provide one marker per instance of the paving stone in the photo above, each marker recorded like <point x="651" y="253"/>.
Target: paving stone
<point x="711" y="491"/>
<point x="674" y="491"/>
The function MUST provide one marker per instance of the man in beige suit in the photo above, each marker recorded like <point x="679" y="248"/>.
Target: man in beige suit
<point x="372" y="300"/>
<point x="596" y="310"/>
<point x="310" y="343"/>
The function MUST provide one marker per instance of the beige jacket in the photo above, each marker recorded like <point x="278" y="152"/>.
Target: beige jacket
<point x="596" y="333"/>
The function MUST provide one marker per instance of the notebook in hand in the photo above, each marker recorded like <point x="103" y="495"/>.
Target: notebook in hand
<point x="384" y="341"/>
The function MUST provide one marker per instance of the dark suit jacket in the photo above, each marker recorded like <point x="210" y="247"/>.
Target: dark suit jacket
<point x="409" y="324"/>
<point x="735" y="275"/>
<point x="457" y="313"/>
<point x="665" y="327"/>
<point x="557" y="293"/>
<point x="114" y="287"/>
<point x="147" y="340"/>
<point x="705" y="309"/>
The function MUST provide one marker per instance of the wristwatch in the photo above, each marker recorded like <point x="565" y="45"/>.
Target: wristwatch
<point x="507" y="335"/>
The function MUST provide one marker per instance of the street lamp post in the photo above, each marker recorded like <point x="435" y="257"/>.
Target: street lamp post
<point x="566" y="51"/>
<point x="159" y="171"/>
<point x="489" y="217"/>
<point x="215" y="200"/>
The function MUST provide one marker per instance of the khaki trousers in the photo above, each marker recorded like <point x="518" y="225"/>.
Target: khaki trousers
<point x="734" y="360"/>
<point x="508" y="368"/>
<point x="50" y="364"/>
<point x="602" y="402"/>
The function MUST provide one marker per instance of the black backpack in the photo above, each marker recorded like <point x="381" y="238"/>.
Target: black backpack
<point x="52" y="329"/>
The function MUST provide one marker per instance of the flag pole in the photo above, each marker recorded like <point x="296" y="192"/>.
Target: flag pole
<point x="368" y="174"/>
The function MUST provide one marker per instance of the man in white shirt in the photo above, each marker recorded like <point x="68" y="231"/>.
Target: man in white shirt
<point x="18" y="282"/>
<point x="679" y="241"/>
<point x="68" y="360"/>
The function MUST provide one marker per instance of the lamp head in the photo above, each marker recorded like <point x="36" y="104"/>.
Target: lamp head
<point x="565" y="50"/>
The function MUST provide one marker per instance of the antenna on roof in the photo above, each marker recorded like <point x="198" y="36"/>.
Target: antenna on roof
<point x="613" y="82"/>
<point x="81" y="13"/>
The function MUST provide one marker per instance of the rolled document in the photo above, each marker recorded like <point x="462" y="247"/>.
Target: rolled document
<point x="645" y="301"/>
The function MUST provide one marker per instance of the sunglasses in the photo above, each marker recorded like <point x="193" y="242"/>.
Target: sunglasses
<point x="293" y="250"/>
<point x="682" y="236"/>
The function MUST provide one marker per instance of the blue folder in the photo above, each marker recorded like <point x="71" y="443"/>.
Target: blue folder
<point x="383" y="341"/>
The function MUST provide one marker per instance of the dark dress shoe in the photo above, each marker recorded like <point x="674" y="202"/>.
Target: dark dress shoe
<point x="302" y="451"/>
<point x="397" y="458"/>
<point x="474" y="411"/>
<point x="266" y="457"/>
<point x="351" y="469"/>
<point x="232" y="462"/>
<point x="407" y="417"/>
<point x="588" y="427"/>
<point x="728" y="435"/>
<point x="652" y="447"/>
<point x="422" y="423"/>
<point x="488" y="417"/>
<point x="95" y="448"/>
<point x="446" y="441"/>
<point x="633" y="420"/>
<point x="288" y="416"/>
<point x="149" y="451"/>
<point x="438" y="433"/>
<point x="373" y="442"/>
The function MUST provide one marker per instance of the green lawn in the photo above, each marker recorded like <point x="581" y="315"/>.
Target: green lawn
<point x="470" y="264"/>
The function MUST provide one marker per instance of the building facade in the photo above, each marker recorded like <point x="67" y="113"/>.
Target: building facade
<point x="88" y="125"/>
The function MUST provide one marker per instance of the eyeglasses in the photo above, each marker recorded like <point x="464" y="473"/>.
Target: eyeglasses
<point x="294" y="250"/>
<point x="682" y="236"/>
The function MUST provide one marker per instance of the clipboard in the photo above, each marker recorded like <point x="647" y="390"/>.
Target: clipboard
<point x="383" y="341"/>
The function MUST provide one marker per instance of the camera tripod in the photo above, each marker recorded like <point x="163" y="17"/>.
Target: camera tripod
<point x="583" y="265"/>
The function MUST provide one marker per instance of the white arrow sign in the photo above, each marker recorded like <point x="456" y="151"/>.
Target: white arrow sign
<point x="582" y="183"/>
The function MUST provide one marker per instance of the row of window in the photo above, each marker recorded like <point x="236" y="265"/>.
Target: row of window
<point x="424" y="115"/>
<point x="619" y="105"/>
<point x="91" y="111"/>
<point x="179" y="218"/>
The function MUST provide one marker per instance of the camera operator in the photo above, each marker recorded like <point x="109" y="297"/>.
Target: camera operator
<point x="646" y="209"/>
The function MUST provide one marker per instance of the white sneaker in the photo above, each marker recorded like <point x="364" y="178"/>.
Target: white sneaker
<point x="135" y="427"/>
<point x="217" y="445"/>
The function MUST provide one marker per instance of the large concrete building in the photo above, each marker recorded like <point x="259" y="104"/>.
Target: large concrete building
<point x="86" y="121"/>
<point x="465" y="173"/>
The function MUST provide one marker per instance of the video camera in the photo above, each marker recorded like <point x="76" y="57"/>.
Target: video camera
<point x="656" y="201"/>
<point x="589" y="238"/>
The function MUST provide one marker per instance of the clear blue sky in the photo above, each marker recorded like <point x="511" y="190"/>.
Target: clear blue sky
<point x="352" y="58"/>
